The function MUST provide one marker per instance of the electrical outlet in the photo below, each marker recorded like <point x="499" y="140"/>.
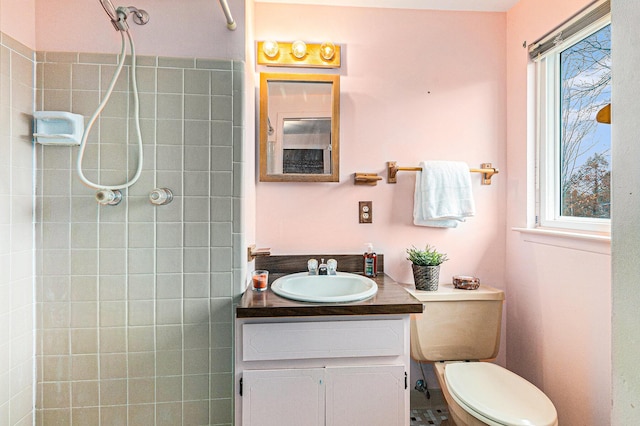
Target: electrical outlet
<point x="365" y="211"/>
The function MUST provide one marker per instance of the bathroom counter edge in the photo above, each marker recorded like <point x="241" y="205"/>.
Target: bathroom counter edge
<point x="391" y="298"/>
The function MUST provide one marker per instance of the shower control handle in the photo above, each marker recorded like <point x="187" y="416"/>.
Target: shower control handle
<point x="108" y="197"/>
<point x="160" y="196"/>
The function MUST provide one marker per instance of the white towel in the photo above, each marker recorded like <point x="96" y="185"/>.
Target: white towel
<point x="443" y="195"/>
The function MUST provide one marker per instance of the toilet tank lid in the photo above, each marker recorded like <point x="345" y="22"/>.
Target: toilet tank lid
<point x="446" y="292"/>
<point x="499" y="395"/>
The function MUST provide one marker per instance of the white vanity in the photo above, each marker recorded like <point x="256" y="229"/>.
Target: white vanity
<point x="300" y="363"/>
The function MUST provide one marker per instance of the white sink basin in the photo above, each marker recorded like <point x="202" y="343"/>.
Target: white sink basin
<point x="343" y="287"/>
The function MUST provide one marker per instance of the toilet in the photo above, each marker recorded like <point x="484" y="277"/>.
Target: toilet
<point x="458" y="331"/>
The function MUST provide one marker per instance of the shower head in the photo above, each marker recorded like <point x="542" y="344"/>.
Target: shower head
<point x="139" y="16"/>
<point x="119" y="15"/>
<point x="110" y="9"/>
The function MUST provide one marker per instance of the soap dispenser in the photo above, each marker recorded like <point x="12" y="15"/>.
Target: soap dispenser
<point x="370" y="262"/>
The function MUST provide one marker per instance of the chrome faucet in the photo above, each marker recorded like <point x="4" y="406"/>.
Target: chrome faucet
<point x="332" y="267"/>
<point x="329" y="268"/>
<point x="322" y="269"/>
<point x="312" y="266"/>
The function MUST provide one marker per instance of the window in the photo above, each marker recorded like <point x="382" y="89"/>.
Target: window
<point x="573" y="71"/>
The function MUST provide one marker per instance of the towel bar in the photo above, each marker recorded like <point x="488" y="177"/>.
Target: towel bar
<point x="485" y="168"/>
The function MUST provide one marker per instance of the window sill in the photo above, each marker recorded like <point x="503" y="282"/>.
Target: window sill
<point x="595" y="243"/>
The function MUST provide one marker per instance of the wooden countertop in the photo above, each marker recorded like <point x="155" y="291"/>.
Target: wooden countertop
<point x="391" y="298"/>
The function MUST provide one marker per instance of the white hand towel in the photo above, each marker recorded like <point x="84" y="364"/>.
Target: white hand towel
<point x="443" y="195"/>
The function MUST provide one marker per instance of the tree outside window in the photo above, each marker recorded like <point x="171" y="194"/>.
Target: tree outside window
<point x="585" y="147"/>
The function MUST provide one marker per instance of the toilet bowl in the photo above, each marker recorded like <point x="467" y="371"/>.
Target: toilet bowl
<point x="457" y="330"/>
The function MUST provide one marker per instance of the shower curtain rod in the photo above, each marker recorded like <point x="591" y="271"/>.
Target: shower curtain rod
<point x="231" y="24"/>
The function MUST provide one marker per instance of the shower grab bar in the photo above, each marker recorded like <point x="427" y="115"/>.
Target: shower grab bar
<point x="486" y="169"/>
<point x="231" y="24"/>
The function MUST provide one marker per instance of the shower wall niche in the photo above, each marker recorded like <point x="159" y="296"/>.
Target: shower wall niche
<point x="134" y="301"/>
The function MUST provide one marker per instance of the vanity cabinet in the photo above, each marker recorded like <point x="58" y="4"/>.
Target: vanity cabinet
<point x="288" y="397"/>
<point x="322" y="371"/>
<point x="373" y="395"/>
<point x="337" y="396"/>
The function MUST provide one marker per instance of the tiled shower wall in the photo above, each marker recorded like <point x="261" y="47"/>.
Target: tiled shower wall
<point x="16" y="234"/>
<point x="135" y="300"/>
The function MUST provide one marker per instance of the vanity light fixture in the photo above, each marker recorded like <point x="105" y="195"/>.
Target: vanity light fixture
<point x="299" y="49"/>
<point x="298" y="54"/>
<point x="270" y="48"/>
<point x="327" y="50"/>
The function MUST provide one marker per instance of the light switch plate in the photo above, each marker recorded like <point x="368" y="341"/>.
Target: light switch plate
<point x="365" y="211"/>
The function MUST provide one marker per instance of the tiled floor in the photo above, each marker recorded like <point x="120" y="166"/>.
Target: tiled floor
<point x="428" y="411"/>
<point x="428" y="416"/>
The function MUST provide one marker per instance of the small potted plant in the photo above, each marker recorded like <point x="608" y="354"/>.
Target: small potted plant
<point x="426" y="266"/>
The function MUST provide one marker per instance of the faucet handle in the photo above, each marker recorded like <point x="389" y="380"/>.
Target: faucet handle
<point x="312" y="266"/>
<point x="332" y="266"/>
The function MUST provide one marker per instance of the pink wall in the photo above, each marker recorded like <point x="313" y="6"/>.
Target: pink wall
<point x="415" y="85"/>
<point x="17" y="20"/>
<point x="558" y="291"/>
<point x="195" y="28"/>
<point x="447" y="85"/>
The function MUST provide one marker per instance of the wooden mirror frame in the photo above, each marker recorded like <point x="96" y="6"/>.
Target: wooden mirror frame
<point x="334" y="176"/>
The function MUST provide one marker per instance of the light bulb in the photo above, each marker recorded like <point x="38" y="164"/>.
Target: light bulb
<point x="299" y="49"/>
<point x="327" y="50"/>
<point x="270" y="48"/>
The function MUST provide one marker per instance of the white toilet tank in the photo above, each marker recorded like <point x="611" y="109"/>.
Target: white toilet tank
<point x="457" y="325"/>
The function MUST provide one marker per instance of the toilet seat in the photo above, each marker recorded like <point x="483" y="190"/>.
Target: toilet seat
<point x="497" y="396"/>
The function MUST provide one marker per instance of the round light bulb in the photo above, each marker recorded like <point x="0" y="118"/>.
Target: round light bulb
<point x="299" y="49"/>
<point x="270" y="48"/>
<point x="327" y="50"/>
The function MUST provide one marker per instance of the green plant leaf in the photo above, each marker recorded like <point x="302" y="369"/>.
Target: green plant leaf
<point x="427" y="257"/>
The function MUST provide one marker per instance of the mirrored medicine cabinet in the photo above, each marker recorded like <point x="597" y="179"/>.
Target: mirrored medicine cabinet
<point x="299" y="127"/>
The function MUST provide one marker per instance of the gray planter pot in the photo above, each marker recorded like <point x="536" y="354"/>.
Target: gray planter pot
<point x="426" y="277"/>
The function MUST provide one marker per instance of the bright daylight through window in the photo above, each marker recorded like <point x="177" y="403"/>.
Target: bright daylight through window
<point x="574" y="160"/>
<point x="585" y="144"/>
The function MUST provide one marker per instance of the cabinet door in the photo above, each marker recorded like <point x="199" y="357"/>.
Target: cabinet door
<point x="283" y="397"/>
<point x="371" y="395"/>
